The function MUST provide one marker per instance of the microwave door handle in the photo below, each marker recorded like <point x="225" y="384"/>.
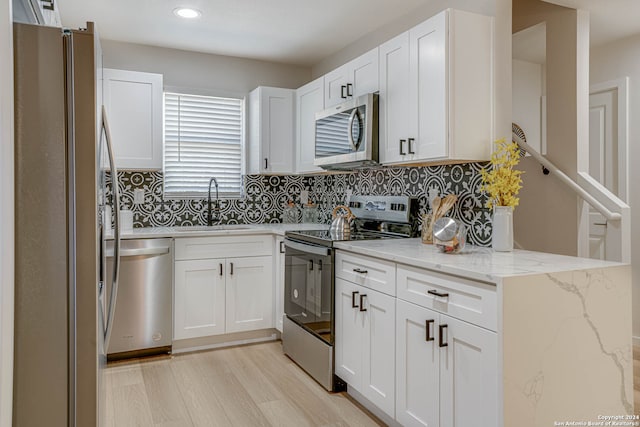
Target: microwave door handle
<point x="352" y="117"/>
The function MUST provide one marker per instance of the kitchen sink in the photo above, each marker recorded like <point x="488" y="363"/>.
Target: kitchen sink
<point x="211" y="228"/>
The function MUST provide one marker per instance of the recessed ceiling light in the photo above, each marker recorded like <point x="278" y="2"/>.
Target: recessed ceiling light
<point x="187" y="12"/>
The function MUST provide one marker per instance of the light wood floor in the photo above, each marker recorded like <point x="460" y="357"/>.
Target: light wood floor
<point x="244" y="386"/>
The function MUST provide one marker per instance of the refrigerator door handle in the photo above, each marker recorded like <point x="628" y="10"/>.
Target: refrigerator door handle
<point x="116" y="231"/>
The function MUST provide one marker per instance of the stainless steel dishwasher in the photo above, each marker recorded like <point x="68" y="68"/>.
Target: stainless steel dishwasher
<point x="143" y="317"/>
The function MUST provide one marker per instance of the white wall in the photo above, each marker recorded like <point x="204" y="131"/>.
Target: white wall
<point x="6" y="213"/>
<point x="611" y="62"/>
<point x="215" y="74"/>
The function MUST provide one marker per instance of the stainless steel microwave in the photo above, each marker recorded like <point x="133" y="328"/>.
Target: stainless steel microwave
<point x="347" y="134"/>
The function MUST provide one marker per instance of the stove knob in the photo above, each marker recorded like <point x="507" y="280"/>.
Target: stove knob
<point x="401" y="207"/>
<point x="394" y="207"/>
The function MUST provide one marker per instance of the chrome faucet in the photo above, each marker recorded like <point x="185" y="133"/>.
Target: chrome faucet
<point x="217" y="208"/>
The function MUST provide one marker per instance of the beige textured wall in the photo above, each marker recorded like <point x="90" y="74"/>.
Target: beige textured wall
<point x="203" y="72"/>
<point x="379" y="36"/>
<point x="501" y="9"/>
<point x="610" y="62"/>
<point x="547" y="218"/>
<point x="6" y="214"/>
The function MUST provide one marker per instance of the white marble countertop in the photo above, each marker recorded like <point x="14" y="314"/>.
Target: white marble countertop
<point x="474" y="262"/>
<point x="216" y="230"/>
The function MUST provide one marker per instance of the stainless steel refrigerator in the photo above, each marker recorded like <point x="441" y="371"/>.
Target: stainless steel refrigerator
<point x="61" y="158"/>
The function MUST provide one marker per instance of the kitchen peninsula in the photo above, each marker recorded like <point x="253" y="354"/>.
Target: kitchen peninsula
<point x="549" y="334"/>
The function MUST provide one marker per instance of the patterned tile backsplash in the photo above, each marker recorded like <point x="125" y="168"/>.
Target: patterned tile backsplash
<point x="265" y="196"/>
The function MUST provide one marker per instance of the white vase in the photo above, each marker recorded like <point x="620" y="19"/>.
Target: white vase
<point x="502" y="238"/>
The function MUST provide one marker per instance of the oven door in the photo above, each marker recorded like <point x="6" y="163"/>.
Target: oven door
<point x="308" y="287"/>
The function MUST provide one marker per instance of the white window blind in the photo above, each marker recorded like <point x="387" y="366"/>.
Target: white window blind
<point x="202" y="139"/>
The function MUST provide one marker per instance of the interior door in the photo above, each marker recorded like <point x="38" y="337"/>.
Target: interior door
<point x="603" y="162"/>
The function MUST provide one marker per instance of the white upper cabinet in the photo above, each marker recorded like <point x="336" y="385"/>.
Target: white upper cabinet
<point x="436" y="91"/>
<point x="309" y="100"/>
<point x="271" y="131"/>
<point x="133" y="101"/>
<point x="355" y="78"/>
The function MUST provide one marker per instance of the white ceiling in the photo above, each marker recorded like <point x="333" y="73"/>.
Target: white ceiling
<point x="299" y="32"/>
<point x="610" y="19"/>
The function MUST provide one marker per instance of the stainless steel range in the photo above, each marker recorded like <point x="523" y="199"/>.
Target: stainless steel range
<point x="308" y="332"/>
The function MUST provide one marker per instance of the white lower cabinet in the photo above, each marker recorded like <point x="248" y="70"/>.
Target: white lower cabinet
<point x="249" y="294"/>
<point x="217" y="296"/>
<point x="199" y="298"/>
<point x="365" y="342"/>
<point x="446" y="370"/>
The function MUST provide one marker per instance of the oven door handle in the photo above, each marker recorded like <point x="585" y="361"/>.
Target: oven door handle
<point x="316" y="250"/>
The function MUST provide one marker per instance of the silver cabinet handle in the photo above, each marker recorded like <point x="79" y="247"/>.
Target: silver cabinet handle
<point x="139" y="252"/>
<point x="349" y="89"/>
<point x="316" y="250"/>
<point x="221" y="269"/>
<point x="358" y="270"/>
<point x="231" y="268"/>
<point x="402" y="141"/>
<point x="108" y="327"/>
<point x="282" y="247"/>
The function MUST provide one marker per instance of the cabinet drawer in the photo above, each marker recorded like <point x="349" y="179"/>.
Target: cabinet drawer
<point x="373" y="273"/>
<point x="467" y="300"/>
<point x="223" y="247"/>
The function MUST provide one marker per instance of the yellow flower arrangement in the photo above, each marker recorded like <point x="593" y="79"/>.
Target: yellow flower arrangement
<point x="502" y="181"/>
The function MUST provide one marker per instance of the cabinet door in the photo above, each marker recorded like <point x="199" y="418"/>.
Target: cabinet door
<point x="394" y="99"/>
<point x="278" y="265"/>
<point x="349" y="324"/>
<point x="270" y="131"/>
<point x="249" y="293"/>
<point x="335" y="85"/>
<point x="133" y="101"/>
<point x="378" y="358"/>
<point x="310" y="100"/>
<point x="277" y="129"/>
<point x="428" y="93"/>
<point x="468" y="375"/>
<point x="365" y="74"/>
<point x="199" y="304"/>
<point x="417" y="366"/>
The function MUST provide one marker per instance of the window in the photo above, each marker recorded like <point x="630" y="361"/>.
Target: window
<point x="202" y="139"/>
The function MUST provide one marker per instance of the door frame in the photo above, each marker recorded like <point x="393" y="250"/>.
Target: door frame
<point x="621" y="85"/>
